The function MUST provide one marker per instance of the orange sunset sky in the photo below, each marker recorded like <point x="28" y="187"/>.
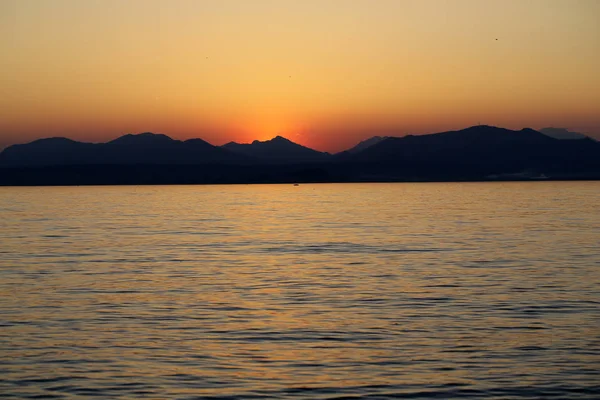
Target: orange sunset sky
<point x="323" y="73"/>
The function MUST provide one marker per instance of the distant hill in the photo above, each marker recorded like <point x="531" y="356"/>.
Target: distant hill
<point x="475" y="153"/>
<point x="278" y="149"/>
<point x="482" y="150"/>
<point x="562" y="133"/>
<point x="50" y="151"/>
<point x="144" y="148"/>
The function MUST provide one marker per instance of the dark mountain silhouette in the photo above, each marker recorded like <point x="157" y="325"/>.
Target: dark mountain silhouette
<point x="482" y="151"/>
<point x="144" y="148"/>
<point x="475" y="153"/>
<point x="562" y="133"/>
<point x="471" y="142"/>
<point x="51" y="151"/>
<point x="278" y="149"/>
<point x="149" y="148"/>
<point x="146" y="139"/>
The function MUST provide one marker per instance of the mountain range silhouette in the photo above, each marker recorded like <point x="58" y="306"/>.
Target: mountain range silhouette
<point x="278" y="149"/>
<point x="475" y="153"/>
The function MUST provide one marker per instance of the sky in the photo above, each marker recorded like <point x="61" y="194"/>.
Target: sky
<point x="323" y="73"/>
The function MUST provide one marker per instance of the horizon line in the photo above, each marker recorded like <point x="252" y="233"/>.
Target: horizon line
<point x="287" y="138"/>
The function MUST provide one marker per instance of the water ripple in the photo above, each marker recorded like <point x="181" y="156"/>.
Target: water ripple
<point x="367" y="291"/>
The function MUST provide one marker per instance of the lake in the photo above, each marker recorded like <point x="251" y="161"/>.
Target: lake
<point x="324" y="291"/>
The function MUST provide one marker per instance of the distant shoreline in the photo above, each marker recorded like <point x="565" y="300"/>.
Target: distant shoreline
<point x="108" y="175"/>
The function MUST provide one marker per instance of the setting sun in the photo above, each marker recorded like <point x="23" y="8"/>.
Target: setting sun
<point x="267" y="128"/>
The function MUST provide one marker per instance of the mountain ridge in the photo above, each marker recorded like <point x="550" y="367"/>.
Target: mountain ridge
<point x="277" y="149"/>
<point x="473" y="153"/>
<point x="143" y="148"/>
<point x="556" y="133"/>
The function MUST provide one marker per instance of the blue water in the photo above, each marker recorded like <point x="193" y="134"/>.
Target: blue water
<point x="342" y="291"/>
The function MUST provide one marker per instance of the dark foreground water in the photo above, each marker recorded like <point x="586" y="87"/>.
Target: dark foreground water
<point x="481" y="290"/>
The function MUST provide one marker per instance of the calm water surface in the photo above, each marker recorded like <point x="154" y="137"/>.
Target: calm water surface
<point x="481" y="290"/>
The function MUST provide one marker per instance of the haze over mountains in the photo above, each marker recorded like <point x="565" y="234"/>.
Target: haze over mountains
<point x="562" y="133"/>
<point x="478" y="152"/>
<point x="366" y="143"/>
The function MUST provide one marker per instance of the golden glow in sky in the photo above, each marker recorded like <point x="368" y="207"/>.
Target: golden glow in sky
<point x="324" y="73"/>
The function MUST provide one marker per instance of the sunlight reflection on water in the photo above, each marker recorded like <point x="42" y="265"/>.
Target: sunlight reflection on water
<point x="488" y="290"/>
